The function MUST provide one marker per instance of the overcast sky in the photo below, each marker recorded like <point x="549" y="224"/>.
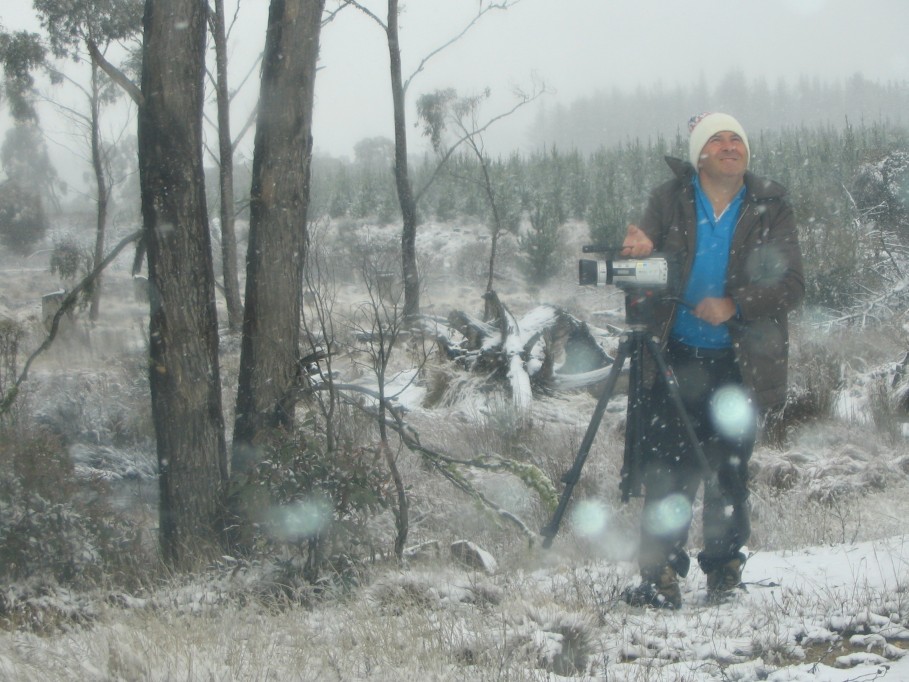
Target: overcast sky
<point x="575" y="47"/>
<point x="580" y="46"/>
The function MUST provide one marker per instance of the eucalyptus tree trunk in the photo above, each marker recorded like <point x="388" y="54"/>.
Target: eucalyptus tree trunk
<point x="226" y="175"/>
<point x="183" y="330"/>
<point x="279" y="199"/>
<point x="407" y="199"/>
<point x="102" y="182"/>
<point x="402" y="176"/>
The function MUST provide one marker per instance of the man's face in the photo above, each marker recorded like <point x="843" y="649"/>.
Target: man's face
<point x="724" y="156"/>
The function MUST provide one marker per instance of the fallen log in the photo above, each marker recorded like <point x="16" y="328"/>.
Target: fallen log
<point x="545" y="349"/>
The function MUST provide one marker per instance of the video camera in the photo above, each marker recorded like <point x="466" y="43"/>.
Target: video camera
<point x="651" y="273"/>
<point x="645" y="281"/>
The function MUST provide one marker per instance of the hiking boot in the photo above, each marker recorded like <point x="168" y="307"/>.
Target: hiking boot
<point x="660" y="591"/>
<point x="725" y="579"/>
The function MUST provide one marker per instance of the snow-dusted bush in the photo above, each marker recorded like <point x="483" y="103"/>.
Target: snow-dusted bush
<point x="107" y="406"/>
<point x="472" y="261"/>
<point x="814" y="381"/>
<point x="882" y="192"/>
<point x="886" y="414"/>
<point x="53" y="526"/>
<point x="311" y="502"/>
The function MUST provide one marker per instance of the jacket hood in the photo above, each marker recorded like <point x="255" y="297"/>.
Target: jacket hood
<point x="759" y="189"/>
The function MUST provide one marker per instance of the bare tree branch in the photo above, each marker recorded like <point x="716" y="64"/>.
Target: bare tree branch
<point x="447" y="465"/>
<point x="331" y="15"/>
<point x="482" y="10"/>
<point x="249" y="73"/>
<point x="369" y="13"/>
<point x="250" y="121"/>
<point x="67" y="304"/>
<point x="115" y="74"/>
<point x="523" y="100"/>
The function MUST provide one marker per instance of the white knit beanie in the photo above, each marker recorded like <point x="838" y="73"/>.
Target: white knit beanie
<point x="704" y="126"/>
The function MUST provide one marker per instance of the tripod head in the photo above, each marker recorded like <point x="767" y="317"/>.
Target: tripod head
<point x="639" y="305"/>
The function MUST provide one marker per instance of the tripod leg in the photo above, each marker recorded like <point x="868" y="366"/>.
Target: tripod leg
<point x="573" y="475"/>
<point x="630" y="481"/>
<point x="672" y="385"/>
<point x="575" y="472"/>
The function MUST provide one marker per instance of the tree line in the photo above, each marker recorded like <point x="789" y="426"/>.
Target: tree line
<point x="832" y="173"/>
<point x="609" y="117"/>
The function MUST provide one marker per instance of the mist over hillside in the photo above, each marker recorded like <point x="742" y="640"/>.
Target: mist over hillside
<point x="609" y="117"/>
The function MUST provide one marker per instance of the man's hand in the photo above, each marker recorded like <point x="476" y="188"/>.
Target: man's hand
<point x="716" y="311"/>
<point x="636" y="244"/>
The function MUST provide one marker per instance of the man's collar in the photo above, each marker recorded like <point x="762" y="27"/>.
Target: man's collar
<point x="757" y="188"/>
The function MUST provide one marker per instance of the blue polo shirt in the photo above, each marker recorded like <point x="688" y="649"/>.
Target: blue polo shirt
<point x="708" y="274"/>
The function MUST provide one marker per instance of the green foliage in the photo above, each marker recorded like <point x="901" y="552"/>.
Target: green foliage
<point x="71" y="25"/>
<point x="607" y="212"/>
<point x="815" y="379"/>
<point x="542" y="246"/>
<point x="881" y="192"/>
<point x="608" y="118"/>
<point x="822" y="168"/>
<point x="22" y="219"/>
<point x="20" y="53"/>
<point x="433" y="110"/>
<point x="26" y="162"/>
<point x="314" y="500"/>
<point x="577" y="189"/>
<point x="547" y="185"/>
<point x="69" y="259"/>
<point x="507" y="182"/>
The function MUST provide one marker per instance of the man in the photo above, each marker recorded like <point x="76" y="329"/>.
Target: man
<point x="724" y="333"/>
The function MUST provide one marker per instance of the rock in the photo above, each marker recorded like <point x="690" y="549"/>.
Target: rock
<point x="140" y="288"/>
<point x="50" y="304"/>
<point x="471" y="555"/>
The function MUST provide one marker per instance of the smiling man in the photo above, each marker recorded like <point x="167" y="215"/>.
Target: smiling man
<point x="724" y="332"/>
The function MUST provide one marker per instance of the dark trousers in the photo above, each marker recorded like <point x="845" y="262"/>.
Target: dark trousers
<point x="725" y="419"/>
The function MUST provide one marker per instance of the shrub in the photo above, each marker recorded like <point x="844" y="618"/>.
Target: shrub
<point x="52" y="524"/>
<point x="311" y="500"/>
<point x="69" y="259"/>
<point x="22" y="219"/>
<point x="814" y="383"/>
<point x="885" y="411"/>
<point x="542" y="246"/>
<point x="472" y="261"/>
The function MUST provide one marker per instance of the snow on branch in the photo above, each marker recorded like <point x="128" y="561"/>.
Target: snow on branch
<point x="545" y="349"/>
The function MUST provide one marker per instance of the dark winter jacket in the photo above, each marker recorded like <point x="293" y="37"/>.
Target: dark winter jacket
<point x="764" y="278"/>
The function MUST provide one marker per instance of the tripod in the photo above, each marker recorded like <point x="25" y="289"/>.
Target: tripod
<point x="634" y="343"/>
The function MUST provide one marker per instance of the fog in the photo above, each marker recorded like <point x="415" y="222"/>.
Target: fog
<point x="573" y="47"/>
<point x="577" y="47"/>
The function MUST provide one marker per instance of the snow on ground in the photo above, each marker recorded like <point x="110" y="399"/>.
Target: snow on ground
<point x="831" y="612"/>
<point x="821" y="614"/>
